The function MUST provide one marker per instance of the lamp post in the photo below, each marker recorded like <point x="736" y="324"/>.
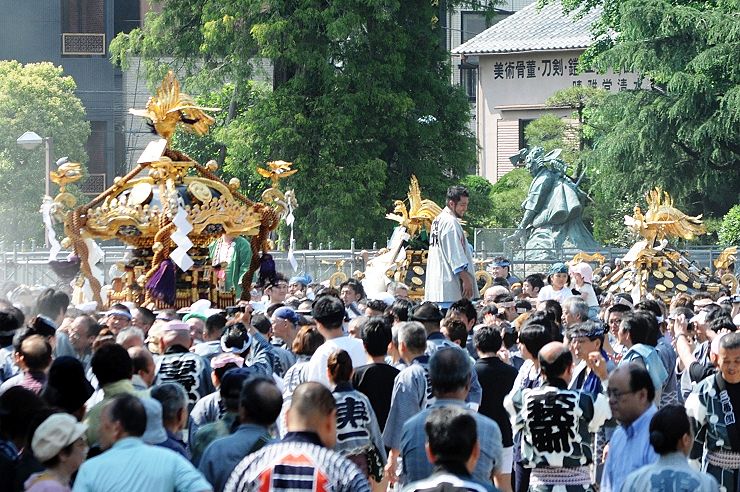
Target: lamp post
<point x="31" y="140"/>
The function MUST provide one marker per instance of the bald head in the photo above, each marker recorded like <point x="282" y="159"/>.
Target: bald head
<point x="35" y="353"/>
<point x="556" y="361"/>
<point x="313" y="409"/>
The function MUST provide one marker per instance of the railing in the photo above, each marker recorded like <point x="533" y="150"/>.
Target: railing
<point x="27" y="263"/>
<point x="83" y="44"/>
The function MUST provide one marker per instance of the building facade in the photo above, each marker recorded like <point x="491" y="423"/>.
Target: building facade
<point x="75" y="34"/>
<point x="522" y="61"/>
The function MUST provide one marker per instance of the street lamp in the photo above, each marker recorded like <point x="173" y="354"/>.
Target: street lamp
<point x="31" y="140"/>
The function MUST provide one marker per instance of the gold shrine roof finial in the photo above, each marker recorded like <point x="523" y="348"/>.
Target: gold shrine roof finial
<point x="170" y="107"/>
<point x="277" y="170"/>
<point x="662" y="220"/>
<point x="419" y="214"/>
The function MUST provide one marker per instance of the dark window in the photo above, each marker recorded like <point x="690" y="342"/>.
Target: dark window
<point x="126" y="16"/>
<point x="95" y="147"/>
<point x="522" y="139"/>
<point x="469" y="76"/>
<point x="84" y="16"/>
<point x="472" y="24"/>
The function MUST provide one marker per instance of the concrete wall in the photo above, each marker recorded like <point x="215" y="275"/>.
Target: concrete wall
<point x="513" y="88"/>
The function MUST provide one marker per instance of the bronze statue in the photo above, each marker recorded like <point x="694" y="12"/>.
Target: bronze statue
<point x="553" y="208"/>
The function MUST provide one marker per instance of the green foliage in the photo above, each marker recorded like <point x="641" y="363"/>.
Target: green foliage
<point x="34" y="97"/>
<point x="729" y="231"/>
<point x="507" y="196"/>
<point x="549" y="132"/>
<point x="481" y="204"/>
<point x="360" y="102"/>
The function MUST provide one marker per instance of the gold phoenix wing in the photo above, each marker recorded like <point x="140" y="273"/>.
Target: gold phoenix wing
<point x="663" y="220"/>
<point x="726" y="258"/>
<point x="171" y="107"/>
<point x="420" y="212"/>
<point x="277" y="170"/>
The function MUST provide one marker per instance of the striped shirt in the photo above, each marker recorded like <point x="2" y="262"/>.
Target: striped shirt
<point x="296" y="464"/>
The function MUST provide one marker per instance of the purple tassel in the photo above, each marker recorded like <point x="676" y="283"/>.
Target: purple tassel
<point x="162" y="284"/>
<point x="267" y="270"/>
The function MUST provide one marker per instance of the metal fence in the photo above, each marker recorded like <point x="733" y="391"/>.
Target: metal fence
<point x="27" y="263"/>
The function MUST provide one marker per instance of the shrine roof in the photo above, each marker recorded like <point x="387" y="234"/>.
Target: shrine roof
<point x="534" y="29"/>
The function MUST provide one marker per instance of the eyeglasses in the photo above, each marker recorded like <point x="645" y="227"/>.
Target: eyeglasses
<point x="616" y="394"/>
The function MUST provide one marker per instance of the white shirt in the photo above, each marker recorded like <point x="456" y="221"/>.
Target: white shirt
<point x="316" y="367"/>
<point x="548" y="293"/>
<point x="448" y="254"/>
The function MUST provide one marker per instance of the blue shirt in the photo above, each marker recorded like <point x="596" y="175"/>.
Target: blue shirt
<point x="416" y="465"/>
<point x="130" y="465"/>
<point x="222" y="455"/>
<point x="629" y="449"/>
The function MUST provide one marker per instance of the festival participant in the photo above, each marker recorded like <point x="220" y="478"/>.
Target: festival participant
<point x="51" y="305"/>
<point x="284" y="322"/>
<point x="259" y="407"/>
<point x="671" y="437"/>
<point x="588" y="338"/>
<point x="501" y="268"/>
<point x="453" y="448"/>
<point x="275" y="290"/>
<point x="450" y="379"/>
<point x="531" y="286"/>
<point x="180" y="365"/>
<point x="711" y="408"/>
<point x="211" y="345"/>
<point x="557" y="425"/>
<point x="66" y="387"/>
<point x="358" y="434"/>
<point x="233" y="255"/>
<point x="174" y="415"/>
<point x="59" y="445"/>
<point x="11" y="319"/>
<point x="631" y="393"/>
<point x="575" y="311"/>
<point x="497" y="380"/>
<point x="412" y="389"/>
<point x="531" y="340"/>
<point x="638" y="335"/>
<point x="143" y="319"/>
<point x="112" y="367"/>
<point x="450" y="268"/>
<point x="583" y="276"/>
<point x="82" y="333"/>
<point x="144" y="368"/>
<point x="351" y="292"/>
<point x="303" y="459"/>
<point x="328" y="311"/>
<point x="117" y="318"/>
<point x="305" y="343"/>
<point x="128" y="463"/>
<point x="297" y="286"/>
<point x="33" y="356"/>
<point x="130" y="337"/>
<point x="614" y="316"/>
<point x="375" y="379"/>
<point x="556" y="288"/>
<point x="398" y="290"/>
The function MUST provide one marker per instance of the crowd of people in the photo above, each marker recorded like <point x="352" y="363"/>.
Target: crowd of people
<point x="541" y="384"/>
<point x="519" y="392"/>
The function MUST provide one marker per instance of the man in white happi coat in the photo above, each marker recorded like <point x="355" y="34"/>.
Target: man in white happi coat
<point x="450" y="268"/>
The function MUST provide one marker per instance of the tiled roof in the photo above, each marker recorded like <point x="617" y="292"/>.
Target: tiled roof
<point x="533" y="29"/>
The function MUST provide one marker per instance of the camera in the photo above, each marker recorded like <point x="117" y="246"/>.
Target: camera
<point x="233" y="310"/>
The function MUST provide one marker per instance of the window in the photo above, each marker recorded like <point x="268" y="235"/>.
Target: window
<point x="522" y="126"/>
<point x="83" y="27"/>
<point x="83" y="16"/>
<point x="469" y="76"/>
<point x="472" y="24"/>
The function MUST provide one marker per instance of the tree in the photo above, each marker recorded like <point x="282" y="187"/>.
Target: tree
<point x="34" y="97"/>
<point x="729" y="231"/>
<point x="360" y="101"/>
<point x="682" y="130"/>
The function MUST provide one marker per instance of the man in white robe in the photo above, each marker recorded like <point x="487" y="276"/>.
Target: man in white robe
<point x="450" y="268"/>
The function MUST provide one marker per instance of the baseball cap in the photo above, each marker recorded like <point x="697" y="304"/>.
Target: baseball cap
<point x="286" y="313"/>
